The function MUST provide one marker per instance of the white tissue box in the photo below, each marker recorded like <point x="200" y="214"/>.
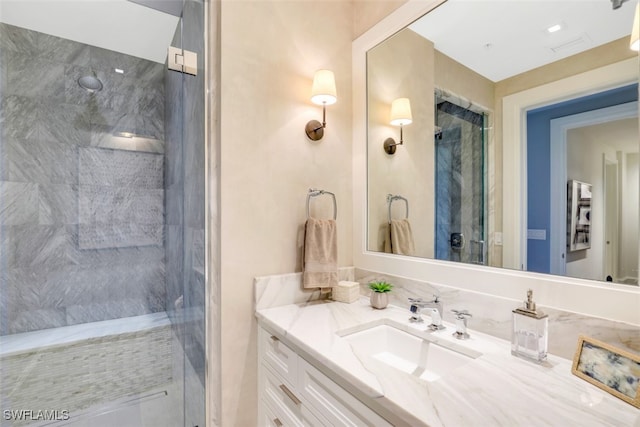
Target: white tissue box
<point x="346" y="291"/>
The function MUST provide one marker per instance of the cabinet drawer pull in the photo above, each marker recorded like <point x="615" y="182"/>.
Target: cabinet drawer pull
<point x="274" y="338"/>
<point x="290" y="394"/>
<point x="277" y="422"/>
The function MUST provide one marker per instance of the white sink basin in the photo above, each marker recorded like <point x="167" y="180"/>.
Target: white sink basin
<point x="420" y="357"/>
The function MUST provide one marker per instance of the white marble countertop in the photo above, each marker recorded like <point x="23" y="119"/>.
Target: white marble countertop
<point x="495" y="389"/>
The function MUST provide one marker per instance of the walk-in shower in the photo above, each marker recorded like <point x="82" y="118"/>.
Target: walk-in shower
<point x="102" y="287"/>
<point x="460" y="164"/>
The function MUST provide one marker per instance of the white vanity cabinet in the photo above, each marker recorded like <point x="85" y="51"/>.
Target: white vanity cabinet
<point x="292" y="392"/>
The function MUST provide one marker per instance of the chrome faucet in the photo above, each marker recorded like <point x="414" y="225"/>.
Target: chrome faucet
<point x="461" y="324"/>
<point x="417" y="305"/>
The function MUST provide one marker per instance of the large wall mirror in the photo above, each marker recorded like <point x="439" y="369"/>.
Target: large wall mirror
<point x="468" y="160"/>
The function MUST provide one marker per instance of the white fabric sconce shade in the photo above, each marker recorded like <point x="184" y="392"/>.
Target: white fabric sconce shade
<point x="323" y="91"/>
<point x="400" y="116"/>
<point x="635" y="32"/>
<point x="401" y="112"/>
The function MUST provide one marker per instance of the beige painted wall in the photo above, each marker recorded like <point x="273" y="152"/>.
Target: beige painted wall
<point x="366" y="13"/>
<point x="396" y="71"/>
<point x="270" y="51"/>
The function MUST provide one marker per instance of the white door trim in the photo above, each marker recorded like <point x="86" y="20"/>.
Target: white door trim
<point x="558" y="181"/>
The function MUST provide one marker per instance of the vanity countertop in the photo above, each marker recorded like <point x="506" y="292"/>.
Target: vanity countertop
<point x="495" y="389"/>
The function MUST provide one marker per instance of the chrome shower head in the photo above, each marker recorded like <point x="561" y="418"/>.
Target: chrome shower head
<point x="90" y="83"/>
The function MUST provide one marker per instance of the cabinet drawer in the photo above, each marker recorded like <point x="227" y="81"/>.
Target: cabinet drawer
<point x="338" y="406"/>
<point x="268" y="417"/>
<point x="284" y="404"/>
<point x="278" y="356"/>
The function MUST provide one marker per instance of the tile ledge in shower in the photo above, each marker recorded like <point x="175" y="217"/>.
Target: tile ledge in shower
<point x="45" y="338"/>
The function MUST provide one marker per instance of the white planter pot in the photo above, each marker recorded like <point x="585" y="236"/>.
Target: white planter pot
<point x="379" y="300"/>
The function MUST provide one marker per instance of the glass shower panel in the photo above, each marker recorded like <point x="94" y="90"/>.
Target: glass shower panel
<point x="460" y="183"/>
<point x="92" y="131"/>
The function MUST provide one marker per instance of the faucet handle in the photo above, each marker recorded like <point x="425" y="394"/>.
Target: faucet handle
<point x="461" y="314"/>
<point x="461" y="324"/>
<point x="413" y="300"/>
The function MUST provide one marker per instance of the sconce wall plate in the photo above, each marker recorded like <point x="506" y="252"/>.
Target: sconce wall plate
<point x="314" y="130"/>
<point x="390" y="146"/>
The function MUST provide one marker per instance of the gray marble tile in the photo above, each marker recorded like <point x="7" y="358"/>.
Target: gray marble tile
<point x="61" y="50"/>
<point x="18" y="203"/>
<point x="18" y="116"/>
<point x="34" y="320"/>
<point x="92" y="236"/>
<point x="99" y="311"/>
<point x="36" y="161"/>
<point x="36" y="288"/>
<point x="64" y="123"/>
<point x="117" y="257"/>
<point x="17" y="39"/>
<point x="119" y="205"/>
<point x="149" y="73"/>
<point x="35" y="77"/>
<point x="84" y="284"/>
<point x="25" y="118"/>
<point x="42" y="245"/>
<point x="104" y="167"/>
<point x="58" y="204"/>
<point x="106" y="60"/>
<point x="151" y="126"/>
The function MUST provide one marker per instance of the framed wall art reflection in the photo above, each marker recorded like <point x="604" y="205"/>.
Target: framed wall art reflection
<point x="578" y="215"/>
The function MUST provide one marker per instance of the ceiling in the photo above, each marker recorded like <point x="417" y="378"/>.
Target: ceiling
<point x="501" y="38"/>
<point x="117" y="25"/>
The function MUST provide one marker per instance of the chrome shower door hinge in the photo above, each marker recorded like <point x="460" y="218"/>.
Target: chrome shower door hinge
<point x="183" y="61"/>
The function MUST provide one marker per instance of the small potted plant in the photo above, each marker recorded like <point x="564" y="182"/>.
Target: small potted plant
<point x="379" y="298"/>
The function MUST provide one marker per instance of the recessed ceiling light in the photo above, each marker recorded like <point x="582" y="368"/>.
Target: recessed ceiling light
<point x="119" y="71"/>
<point x="554" y="28"/>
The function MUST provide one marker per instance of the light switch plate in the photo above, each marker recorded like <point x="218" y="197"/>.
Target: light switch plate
<point x="536" y="234"/>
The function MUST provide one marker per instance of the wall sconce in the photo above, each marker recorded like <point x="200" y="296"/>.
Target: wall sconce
<point x="323" y="93"/>
<point x="635" y="32"/>
<point x="400" y="116"/>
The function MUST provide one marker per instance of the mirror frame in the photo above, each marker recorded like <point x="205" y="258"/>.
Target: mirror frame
<point x="610" y="301"/>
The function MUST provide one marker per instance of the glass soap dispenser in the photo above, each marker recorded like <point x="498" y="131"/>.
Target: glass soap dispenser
<point x="529" y="335"/>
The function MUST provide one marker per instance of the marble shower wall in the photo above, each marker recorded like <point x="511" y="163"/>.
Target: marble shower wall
<point x="460" y="195"/>
<point x="81" y="210"/>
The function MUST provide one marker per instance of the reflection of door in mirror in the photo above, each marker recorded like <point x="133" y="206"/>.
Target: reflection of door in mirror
<point x="459" y="177"/>
<point x="610" y="218"/>
<point x="581" y="133"/>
